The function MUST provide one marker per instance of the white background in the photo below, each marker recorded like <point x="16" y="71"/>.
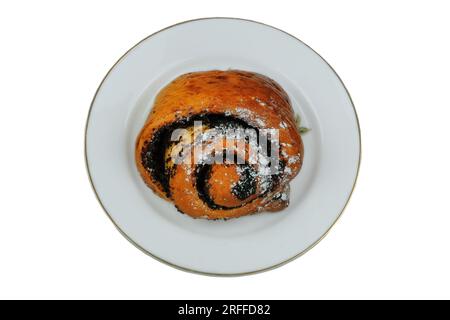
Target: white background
<point x="394" y="237"/>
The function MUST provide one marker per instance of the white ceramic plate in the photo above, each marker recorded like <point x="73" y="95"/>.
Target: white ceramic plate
<point x="237" y="246"/>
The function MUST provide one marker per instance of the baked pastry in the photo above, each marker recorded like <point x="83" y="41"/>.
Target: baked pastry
<point x="196" y="112"/>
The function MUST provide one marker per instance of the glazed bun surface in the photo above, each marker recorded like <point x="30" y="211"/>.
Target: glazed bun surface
<point x="196" y="104"/>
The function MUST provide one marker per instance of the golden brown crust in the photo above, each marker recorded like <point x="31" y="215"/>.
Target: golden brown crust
<point x="250" y="97"/>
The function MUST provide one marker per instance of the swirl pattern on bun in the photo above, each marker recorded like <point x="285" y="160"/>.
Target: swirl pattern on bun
<point x="197" y="111"/>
